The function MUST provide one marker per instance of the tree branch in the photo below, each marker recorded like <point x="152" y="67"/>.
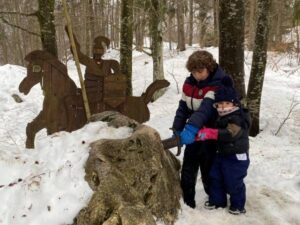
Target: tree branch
<point x="147" y="53"/>
<point x="18" y="13"/>
<point x="292" y="107"/>
<point x="16" y="26"/>
<point x="173" y="76"/>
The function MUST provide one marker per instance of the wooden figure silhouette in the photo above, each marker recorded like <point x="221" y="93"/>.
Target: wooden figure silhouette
<point x="63" y="105"/>
<point x="59" y="90"/>
<point x="98" y="71"/>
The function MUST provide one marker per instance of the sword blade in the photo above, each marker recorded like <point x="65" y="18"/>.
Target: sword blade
<point x="170" y="143"/>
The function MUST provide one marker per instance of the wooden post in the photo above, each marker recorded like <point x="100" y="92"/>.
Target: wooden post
<point x="73" y="46"/>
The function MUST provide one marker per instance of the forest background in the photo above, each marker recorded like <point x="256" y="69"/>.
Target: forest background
<point x="52" y="176"/>
<point x="233" y="26"/>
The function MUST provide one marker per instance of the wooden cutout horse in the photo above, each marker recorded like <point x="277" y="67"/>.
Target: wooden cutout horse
<point x="58" y="89"/>
<point x="63" y="106"/>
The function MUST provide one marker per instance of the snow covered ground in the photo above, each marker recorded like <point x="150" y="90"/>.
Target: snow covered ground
<point x="46" y="185"/>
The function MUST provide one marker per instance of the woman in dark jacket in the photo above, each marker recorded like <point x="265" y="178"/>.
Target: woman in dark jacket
<point x="232" y="159"/>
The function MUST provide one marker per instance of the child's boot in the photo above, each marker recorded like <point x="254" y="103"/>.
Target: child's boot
<point x="236" y="211"/>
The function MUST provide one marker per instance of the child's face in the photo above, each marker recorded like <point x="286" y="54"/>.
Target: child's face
<point x="224" y="105"/>
<point x="200" y="74"/>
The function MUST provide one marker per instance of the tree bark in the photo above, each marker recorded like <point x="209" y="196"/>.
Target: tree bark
<point x="258" y="65"/>
<point x="180" y="26"/>
<point x="204" y="8"/>
<point x="216" y="22"/>
<point x="45" y="16"/>
<point x="156" y="18"/>
<point x="112" y="22"/>
<point x="101" y="14"/>
<point x="278" y="19"/>
<point x="117" y="25"/>
<point x="231" y="41"/>
<point x="89" y="26"/>
<point x="126" y="42"/>
<point x="139" y="26"/>
<point x="171" y="12"/>
<point x="296" y="19"/>
<point x="3" y="40"/>
<point x="252" y="22"/>
<point x="191" y="24"/>
<point x="18" y="44"/>
<point x="86" y="28"/>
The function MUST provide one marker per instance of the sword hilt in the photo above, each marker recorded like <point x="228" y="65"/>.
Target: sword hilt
<point x="173" y="142"/>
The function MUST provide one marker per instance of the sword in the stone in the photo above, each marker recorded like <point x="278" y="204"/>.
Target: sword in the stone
<point x="172" y="142"/>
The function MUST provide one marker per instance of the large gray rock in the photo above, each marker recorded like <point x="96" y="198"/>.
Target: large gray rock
<point x="135" y="181"/>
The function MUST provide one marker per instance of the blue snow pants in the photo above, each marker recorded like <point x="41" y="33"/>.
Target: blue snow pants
<point x="226" y="177"/>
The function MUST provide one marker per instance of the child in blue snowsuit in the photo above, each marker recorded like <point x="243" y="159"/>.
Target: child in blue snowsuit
<point x="232" y="159"/>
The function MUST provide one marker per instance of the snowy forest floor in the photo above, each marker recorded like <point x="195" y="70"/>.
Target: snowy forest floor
<point x="46" y="185"/>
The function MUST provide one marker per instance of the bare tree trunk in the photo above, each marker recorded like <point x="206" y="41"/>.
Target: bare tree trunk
<point x="279" y="21"/>
<point x="92" y="22"/>
<point x="170" y="31"/>
<point x="18" y="43"/>
<point x="117" y="24"/>
<point x="3" y="40"/>
<point x="86" y="28"/>
<point x="202" y="31"/>
<point x="45" y="16"/>
<point x="139" y="25"/>
<point x="298" y="42"/>
<point x="156" y="37"/>
<point x="101" y="14"/>
<point x="112" y="23"/>
<point x="180" y="26"/>
<point x="202" y="15"/>
<point x="231" y="42"/>
<point x="258" y="65"/>
<point x="156" y="19"/>
<point x="296" y="19"/>
<point x="252" y="22"/>
<point x="22" y="44"/>
<point x="216" y="22"/>
<point x="62" y="45"/>
<point x="191" y="20"/>
<point x="126" y="42"/>
<point x="89" y="34"/>
<point x="171" y="14"/>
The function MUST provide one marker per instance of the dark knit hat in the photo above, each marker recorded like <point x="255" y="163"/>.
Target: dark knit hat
<point x="227" y="92"/>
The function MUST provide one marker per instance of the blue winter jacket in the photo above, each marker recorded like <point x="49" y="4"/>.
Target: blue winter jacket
<point x="196" y="104"/>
